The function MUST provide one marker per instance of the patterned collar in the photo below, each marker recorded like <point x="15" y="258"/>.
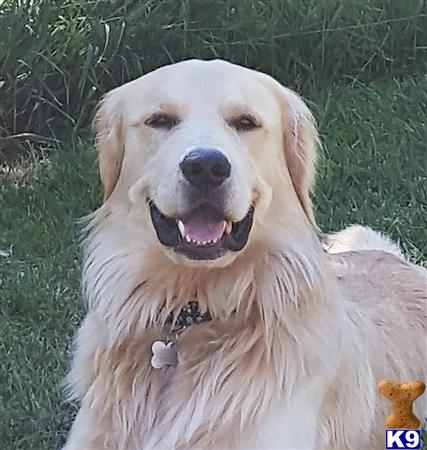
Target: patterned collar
<point x="164" y="351"/>
<point x="189" y="315"/>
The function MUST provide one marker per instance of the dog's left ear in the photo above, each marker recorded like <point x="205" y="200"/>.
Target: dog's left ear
<point x="300" y="143"/>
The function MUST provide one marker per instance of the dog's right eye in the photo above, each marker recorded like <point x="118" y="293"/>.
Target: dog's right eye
<point x="163" y="121"/>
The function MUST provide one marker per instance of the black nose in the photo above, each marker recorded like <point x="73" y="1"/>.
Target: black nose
<point x="205" y="168"/>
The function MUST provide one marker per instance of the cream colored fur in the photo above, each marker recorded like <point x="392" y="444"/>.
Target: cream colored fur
<point x="300" y="337"/>
<point x="357" y="237"/>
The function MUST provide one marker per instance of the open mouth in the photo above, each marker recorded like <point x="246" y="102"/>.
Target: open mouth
<point x="203" y="234"/>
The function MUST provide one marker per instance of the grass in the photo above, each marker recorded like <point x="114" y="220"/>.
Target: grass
<point x="58" y="58"/>
<point x="373" y="171"/>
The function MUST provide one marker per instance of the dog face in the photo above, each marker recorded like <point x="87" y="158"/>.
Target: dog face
<point x="204" y="154"/>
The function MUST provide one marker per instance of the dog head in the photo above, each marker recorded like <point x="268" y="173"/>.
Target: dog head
<point x="208" y="157"/>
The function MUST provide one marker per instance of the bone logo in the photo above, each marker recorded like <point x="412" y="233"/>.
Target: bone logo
<point x="403" y="426"/>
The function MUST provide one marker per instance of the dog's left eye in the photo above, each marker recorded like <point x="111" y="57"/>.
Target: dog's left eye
<point x="164" y="121"/>
<point x="244" y="123"/>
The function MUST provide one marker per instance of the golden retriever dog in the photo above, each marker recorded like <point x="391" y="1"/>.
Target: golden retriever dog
<point x="217" y="318"/>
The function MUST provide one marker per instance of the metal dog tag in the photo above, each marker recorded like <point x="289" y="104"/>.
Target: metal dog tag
<point x="163" y="354"/>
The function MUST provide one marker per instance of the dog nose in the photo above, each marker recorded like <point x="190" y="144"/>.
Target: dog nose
<point x="205" y="168"/>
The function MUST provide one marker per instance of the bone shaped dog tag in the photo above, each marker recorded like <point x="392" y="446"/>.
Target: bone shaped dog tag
<point x="163" y="355"/>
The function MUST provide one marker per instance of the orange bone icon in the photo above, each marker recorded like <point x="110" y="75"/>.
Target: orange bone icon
<point x="402" y="396"/>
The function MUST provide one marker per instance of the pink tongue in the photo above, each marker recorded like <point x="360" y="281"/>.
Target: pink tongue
<point x="199" y="231"/>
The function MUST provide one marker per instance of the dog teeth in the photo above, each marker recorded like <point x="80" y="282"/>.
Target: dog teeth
<point x="190" y="240"/>
<point x="181" y="228"/>
<point x="228" y="227"/>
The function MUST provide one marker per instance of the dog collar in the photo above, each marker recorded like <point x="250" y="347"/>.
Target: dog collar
<point x="164" y="351"/>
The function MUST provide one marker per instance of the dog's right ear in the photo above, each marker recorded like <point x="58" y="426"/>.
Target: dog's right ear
<point x="109" y="141"/>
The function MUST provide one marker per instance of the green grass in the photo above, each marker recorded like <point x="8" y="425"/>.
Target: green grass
<point x="58" y="57"/>
<point x="373" y="171"/>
